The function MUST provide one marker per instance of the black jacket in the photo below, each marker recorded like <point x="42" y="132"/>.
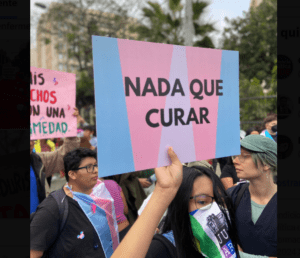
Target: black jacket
<point x="37" y="165"/>
<point x="259" y="238"/>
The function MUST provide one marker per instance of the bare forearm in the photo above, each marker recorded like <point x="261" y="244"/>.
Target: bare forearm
<point x="137" y="241"/>
<point x="53" y="161"/>
<point x="36" y="254"/>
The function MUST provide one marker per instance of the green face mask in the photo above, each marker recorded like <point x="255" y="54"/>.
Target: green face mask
<point x="209" y="226"/>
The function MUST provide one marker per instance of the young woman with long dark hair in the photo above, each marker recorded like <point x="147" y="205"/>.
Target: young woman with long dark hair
<point x="199" y="190"/>
<point x="199" y="220"/>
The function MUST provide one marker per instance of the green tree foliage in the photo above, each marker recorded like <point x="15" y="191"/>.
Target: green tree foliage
<point x="254" y="36"/>
<point x="251" y="110"/>
<point x="72" y="24"/>
<point x="84" y="87"/>
<point x="167" y="26"/>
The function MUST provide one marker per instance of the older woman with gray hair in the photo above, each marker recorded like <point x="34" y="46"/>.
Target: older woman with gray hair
<point x="255" y="201"/>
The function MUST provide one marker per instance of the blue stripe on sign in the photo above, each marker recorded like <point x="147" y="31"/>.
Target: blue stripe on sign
<point x="113" y="135"/>
<point x="228" y="129"/>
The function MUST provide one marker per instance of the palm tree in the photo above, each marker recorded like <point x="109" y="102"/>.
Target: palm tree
<point x="167" y="26"/>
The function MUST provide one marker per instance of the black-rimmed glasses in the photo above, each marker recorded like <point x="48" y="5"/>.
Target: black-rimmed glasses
<point x="89" y="168"/>
<point x="203" y="201"/>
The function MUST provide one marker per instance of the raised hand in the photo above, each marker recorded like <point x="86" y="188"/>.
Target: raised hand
<point x="170" y="177"/>
<point x="76" y="112"/>
<point x="78" y="116"/>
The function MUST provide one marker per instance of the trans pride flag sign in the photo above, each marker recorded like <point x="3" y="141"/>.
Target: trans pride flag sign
<point x="150" y="96"/>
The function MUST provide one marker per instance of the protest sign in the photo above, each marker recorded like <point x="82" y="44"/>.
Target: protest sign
<point x="52" y="102"/>
<point x="150" y="96"/>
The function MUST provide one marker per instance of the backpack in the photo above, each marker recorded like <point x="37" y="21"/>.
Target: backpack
<point x="240" y="194"/>
<point x="63" y="206"/>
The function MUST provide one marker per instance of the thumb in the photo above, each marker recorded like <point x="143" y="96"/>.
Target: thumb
<point x="173" y="156"/>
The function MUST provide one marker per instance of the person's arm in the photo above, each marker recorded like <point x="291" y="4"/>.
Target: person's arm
<point x="137" y="241"/>
<point x="53" y="161"/>
<point x="81" y="121"/>
<point x="144" y="182"/>
<point x="36" y="254"/>
<point x="125" y="203"/>
<point x="227" y="182"/>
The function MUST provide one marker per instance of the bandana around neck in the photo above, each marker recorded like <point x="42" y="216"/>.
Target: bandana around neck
<point x="99" y="209"/>
<point x="211" y="229"/>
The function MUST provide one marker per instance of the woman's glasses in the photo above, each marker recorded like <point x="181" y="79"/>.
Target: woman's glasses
<point x="241" y="158"/>
<point x="203" y="202"/>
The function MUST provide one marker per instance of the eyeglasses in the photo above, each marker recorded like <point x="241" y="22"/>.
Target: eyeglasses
<point x="203" y="201"/>
<point x="241" y="158"/>
<point x="89" y="168"/>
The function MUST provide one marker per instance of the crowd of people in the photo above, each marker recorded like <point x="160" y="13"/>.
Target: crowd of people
<point x="223" y="207"/>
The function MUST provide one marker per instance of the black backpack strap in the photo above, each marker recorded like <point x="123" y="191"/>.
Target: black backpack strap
<point x="166" y="242"/>
<point x="62" y="202"/>
<point x="240" y="194"/>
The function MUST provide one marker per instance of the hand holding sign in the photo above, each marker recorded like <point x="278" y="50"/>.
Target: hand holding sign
<point x="76" y="112"/>
<point x="79" y="117"/>
<point x="170" y="177"/>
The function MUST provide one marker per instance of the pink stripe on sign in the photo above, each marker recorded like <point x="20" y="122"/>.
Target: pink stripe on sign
<point x="204" y="63"/>
<point x="150" y="61"/>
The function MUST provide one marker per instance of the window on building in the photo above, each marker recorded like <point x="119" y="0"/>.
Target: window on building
<point x="66" y="67"/>
<point x="60" y="56"/>
<point x="60" y="67"/>
<point x="72" y="68"/>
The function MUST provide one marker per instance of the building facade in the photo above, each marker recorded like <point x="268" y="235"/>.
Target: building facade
<point x="52" y="49"/>
<point x="52" y="53"/>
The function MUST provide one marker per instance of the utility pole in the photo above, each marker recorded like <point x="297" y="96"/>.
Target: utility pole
<point x="189" y="27"/>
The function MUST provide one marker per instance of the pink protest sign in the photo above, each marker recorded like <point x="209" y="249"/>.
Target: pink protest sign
<point x="52" y="103"/>
<point x="150" y="96"/>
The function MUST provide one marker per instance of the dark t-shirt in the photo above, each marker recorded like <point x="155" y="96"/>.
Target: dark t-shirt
<point x="45" y="226"/>
<point x="229" y="171"/>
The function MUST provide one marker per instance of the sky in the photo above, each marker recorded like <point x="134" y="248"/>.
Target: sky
<point x="216" y="12"/>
